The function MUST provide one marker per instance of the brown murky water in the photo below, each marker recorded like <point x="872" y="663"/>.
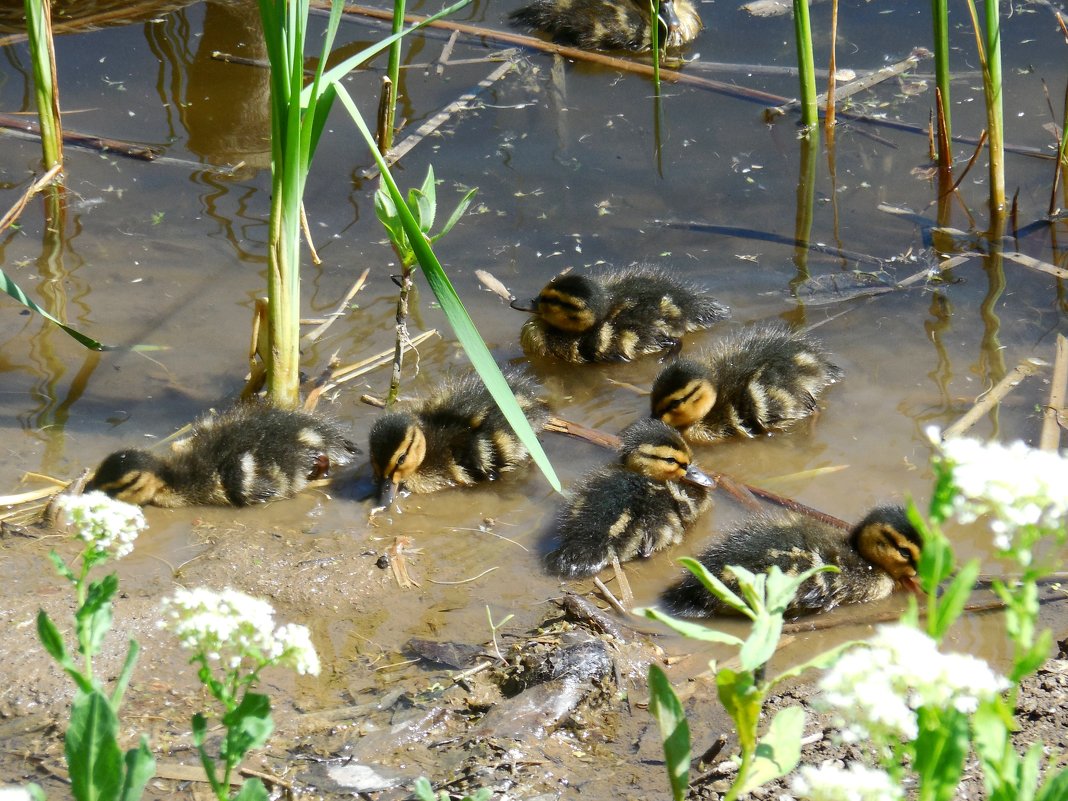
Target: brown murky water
<point x="573" y="169"/>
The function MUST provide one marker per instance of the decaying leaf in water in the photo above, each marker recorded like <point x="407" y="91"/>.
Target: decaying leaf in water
<point x="494" y="286"/>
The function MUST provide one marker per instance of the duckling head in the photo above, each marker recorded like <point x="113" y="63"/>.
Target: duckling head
<point x="571" y="303"/>
<point x="682" y="394"/>
<point x="679" y="22"/>
<point x="888" y="540"/>
<point x="398" y="448"/>
<point x="657" y="451"/>
<point x="133" y="476"/>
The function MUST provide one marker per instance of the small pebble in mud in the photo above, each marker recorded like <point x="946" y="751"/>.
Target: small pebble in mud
<point x="383" y="562"/>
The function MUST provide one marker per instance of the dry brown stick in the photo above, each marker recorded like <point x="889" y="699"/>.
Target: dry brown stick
<point x="997" y="392"/>
<point x="1051" y="430"/>
<point x="318" y="331"/>
<point x="859" y="85"/>
<point x="104" y="144"/>
<point x="307" y="235"/>
<point x="14" y="212"/>
<point x="739" y="490"/>
<point x="971" y="161"/>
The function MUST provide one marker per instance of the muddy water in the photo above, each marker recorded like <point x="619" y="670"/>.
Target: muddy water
<point x="573" y="169"/>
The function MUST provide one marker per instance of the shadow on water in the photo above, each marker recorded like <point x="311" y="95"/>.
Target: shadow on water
<point x="576" y="165"/>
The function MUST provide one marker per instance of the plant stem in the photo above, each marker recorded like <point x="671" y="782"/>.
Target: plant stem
<point x="402" y="333"/>
<point x="805" y="64"/>
<point x="654" y="43"/>
<point x="391" y="86"/>
<point x="39" y="28"/>
<point x="994" y="111"/>
<point x="940" y="23"/>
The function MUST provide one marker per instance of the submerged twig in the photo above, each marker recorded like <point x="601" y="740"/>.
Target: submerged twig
<point x="13" y="213"/>
<point x="607" y="593"/>
<point x="88" y="141"/>
<point x="402" y="333"/>
<point x="1051" y="429"/>
<point x="990" y="399"/>
<point x="319" y="330"/>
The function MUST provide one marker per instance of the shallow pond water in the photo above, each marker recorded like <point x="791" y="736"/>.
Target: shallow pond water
<point x="574" y="168"/>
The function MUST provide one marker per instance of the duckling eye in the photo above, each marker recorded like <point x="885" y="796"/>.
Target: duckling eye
<point x="906" y="553"/>
<point x="401" y="458"/>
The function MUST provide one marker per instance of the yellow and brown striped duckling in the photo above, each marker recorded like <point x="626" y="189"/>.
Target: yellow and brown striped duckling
<point x="877" y="556"/>
<point x="758" y="379"/>
<point x="251" y="453"/>
<point x="611" y="24"/>
<point x="616" y="315"/>
<point x="642" y="503"/>
<point x="456" y="437"/>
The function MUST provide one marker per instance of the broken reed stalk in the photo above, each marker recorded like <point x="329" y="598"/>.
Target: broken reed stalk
<point x="940" y="24"/>
<point x="46" y="87"/>
<point x="832" y="68"/>
<point x="993" y="397"/>
<point x="402" y="333"/>
<point x="1058" y="391"/>
<point x="391" y="84"/>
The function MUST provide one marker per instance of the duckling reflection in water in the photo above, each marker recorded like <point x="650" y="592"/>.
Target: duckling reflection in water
<point x="611" y="24"/>
<point x="456" y="437"/>
<point x="877" y="556"/>
<point x="641" y="504"/>
<point x="755" y="380"/>
<point x="615" y="315"/>
<point x="248" y="454"/>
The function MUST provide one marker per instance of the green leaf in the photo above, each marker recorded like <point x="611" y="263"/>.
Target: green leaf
<point x="1031" y="659"/>
<point x="51" y="639"/>
<point x="93" y="756"/>
<point x="819" y="662"/>
<point x="252" y="790"/>
<point x="61" y="567"/>
<point x="422" y="789"/>
<point x="674" y="731"/>
<point x="35" y="791"/>
<point x="199" y="729"/>
<point x="715" y="586"/>
<point x="694" y="631"/>
<point x="762" y="641"/>
<point x="1055" y="787"/>
<point x="778" y="751"/>
<point x="939" y="752"/>
<point x="781" y="588"/>
<point x="247" y="726"/>
<point x="953" y="599"/>
<point x="13" y="290"/>
<point x="93" y="619"/>
<point x="752" y="587"/>
<point x="457" y="213"/>
<point x="140" y="767"/>
<point x="742" y="700"/>
<point x="428" y="205"/>
<point x="454" y="310"/>
<point x="123" y="681"/>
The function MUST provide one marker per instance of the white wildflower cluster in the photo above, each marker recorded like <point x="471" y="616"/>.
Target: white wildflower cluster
<point x="15" y="794"/>
<point x="230" y="626"/>
<point x="828" y="782"/>
<point x="110" y="526"/>
<point x="1015" y="485"/>
<point x="875" y="689"/>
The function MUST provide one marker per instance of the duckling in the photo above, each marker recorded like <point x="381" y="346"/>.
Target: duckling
<point x="457" y="436"/>
<point x="642" y="503"/>
<point x="615" y="316"/>
<point x="248" y="454"/>
<point x="879" y="554"/>
<point x="611" y="24"/>
<point x="755" y="380"/>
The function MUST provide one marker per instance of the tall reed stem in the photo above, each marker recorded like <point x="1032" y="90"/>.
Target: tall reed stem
<point x="391" y="86"/>
<point x="806" y="65"/>
<point x="39" y="30"/>
<point x="994" y="112"/>
<point x="940" y="23"/>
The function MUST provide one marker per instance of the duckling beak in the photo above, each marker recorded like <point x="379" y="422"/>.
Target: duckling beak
<point x="530" y="306"/>
<point x="668" y="18"/>
<point x="387" y="493"/>
<point x="911" y="584"/>
<point x="695" y="475"/>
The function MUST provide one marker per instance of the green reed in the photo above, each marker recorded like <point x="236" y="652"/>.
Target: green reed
<point x="940" y="23"/>
<point x="988" y="45"/>
<point x="391" y="83"/>
<point x="806" y="65"/>
<point x="46" y="88"/>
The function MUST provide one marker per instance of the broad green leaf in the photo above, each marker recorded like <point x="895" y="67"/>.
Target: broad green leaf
<point x="454" y="310"/>
<point x="35" y="791"/>
<point x="715" y="586"/>
<point x="778" y="751"/>
<point x="821" y="661"/>
<point x="1055" y="787"/>
<point x="762" y="641"/>
<point x="247" y="726"/>
<point x="939" y="752"/>
<point x="751" y="586"/>
<point x="694" y="631"/>
<point x="252" y="790"/>
<point x="124" y="675"/>
<point x="936" y="560"/>
<point x="428" y="207"/>
<point x="953" y="599"/>
<point x="140" y="767"/>
<point x="742" y="700"/>
<point x="674" y="731"/>
<point x="94" y="617"/>
<point x="51" y="639"/>
<point x="93" y="756"/>
<point x="199" y="729"/>
<point x="422" y="789"/>
<point x="61" y="567"/>
<point x="782" y="588"/>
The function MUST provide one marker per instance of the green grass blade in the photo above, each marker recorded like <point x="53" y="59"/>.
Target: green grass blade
<point x="454" y="310"/>
<point x="13" y="290"/>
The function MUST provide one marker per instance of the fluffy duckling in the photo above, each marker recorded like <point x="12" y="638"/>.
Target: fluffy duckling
<point x="611" y="24"/>
<point x="634" y="507"/>
<point x="615" y="316"/>
<point x="457" y="436"/>
<point x="249" y="454"/>
<point x="760" y="378"/>
<point x="878" y="555"/>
